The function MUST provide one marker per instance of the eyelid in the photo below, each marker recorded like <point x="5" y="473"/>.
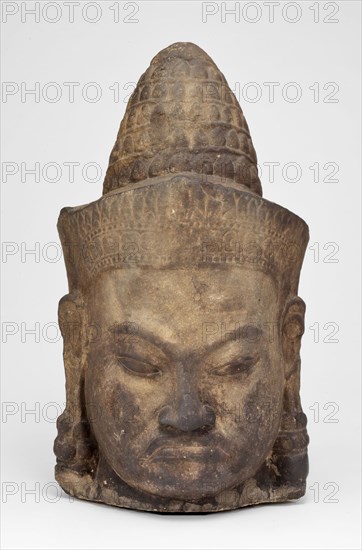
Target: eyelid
<point x="242" y="365"/>
<point x="138" y="366"/>
<point x="139" y="347"/>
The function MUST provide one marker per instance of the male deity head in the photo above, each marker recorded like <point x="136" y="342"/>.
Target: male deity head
<point x="182" y="325"/>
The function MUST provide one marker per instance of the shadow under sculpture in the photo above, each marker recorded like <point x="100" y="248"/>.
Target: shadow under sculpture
<point x="182" y="326"/>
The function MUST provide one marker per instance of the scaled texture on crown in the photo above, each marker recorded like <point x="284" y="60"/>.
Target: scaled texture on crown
<point x="182" y="117"/>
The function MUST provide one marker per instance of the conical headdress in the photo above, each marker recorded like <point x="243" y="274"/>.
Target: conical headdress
<point x="182" y="117"/>
<point x="182" y="187"/>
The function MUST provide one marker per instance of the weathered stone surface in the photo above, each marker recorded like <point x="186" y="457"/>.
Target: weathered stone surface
<point x="182" y="326"/>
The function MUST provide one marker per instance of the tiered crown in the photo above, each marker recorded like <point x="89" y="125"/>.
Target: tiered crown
<point x="181" y="117"/>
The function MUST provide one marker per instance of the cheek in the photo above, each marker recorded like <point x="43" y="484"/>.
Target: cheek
<point x="135" y="409"/>
<point x="118" y="403"/>
<point x="249" y="404"/>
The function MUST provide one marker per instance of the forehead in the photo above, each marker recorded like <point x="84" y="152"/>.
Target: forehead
<point x="179" y="305"/>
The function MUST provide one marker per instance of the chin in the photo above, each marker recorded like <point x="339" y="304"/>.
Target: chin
<point x="185" y="480"/>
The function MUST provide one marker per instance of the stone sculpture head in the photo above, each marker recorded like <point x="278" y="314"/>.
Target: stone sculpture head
<point x="182" y="325"/>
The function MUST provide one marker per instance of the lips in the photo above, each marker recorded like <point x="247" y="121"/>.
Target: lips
<point x="168" y="449"/>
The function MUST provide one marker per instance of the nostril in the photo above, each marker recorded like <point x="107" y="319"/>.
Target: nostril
<point x="187" y="419"/>
<point x="165" y="416"/>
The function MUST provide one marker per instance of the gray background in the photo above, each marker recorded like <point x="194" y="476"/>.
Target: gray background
<point x="319" y="52"/>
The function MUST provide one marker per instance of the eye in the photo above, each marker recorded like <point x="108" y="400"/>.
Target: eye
<point x="242" y="366"/>
<point x="140" y="368"/>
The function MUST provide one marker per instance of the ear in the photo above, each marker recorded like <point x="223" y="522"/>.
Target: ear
<point x="293" y="329"/>
<point x="290" y="448"/>
<point x="72" y="321"/>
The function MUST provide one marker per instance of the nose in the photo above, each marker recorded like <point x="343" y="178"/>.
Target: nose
<point x="187" y="414"/>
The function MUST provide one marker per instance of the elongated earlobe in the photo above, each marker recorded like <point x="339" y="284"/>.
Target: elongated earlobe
<point x="73" y="446"/>
<point x="290" y="449"/>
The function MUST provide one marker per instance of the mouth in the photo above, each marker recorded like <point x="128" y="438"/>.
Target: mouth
<point x="182" y="450"/>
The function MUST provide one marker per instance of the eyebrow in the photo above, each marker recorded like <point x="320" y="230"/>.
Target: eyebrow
<point x="232" y="336"/>
<point x="123" y="328"/>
